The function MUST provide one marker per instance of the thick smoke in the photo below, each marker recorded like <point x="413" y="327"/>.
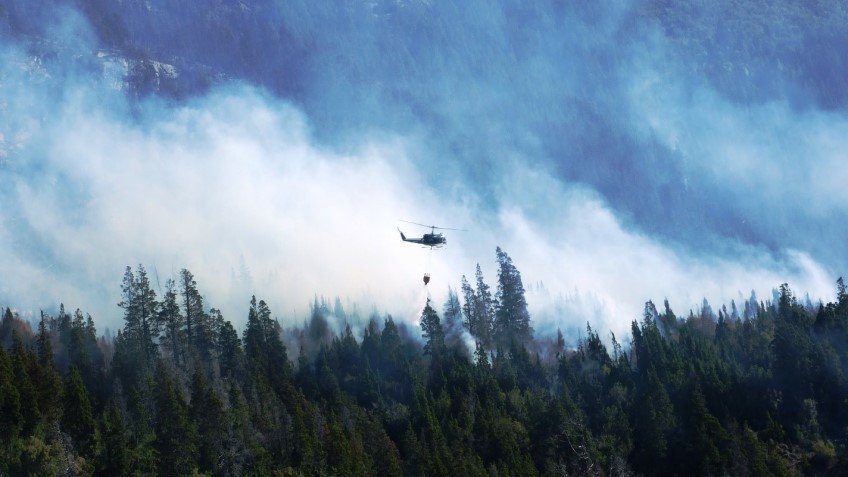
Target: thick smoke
<point x="610" y="173"/>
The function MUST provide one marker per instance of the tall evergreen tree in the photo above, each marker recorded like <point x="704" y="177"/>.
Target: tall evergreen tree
<point x="173" y="324"/>
<point x="231" y="355"/>
<point x="11" y="420"/>
<point x="485" y="308"/>
<point x="452" y="313"/>
<point x="175" y="441"/>
<point x="140" y="313"/>
<point x="22" y="362"/>
<point x="479" y="309"/>
<point x="47" y="380"/>
<point x="78" y="418"/>
<point x="114" y="458"/>
<point x="207" y="412"/>
<point x="512" y="320"/>
<point x="434" y="335"/>
<point x="197" y="327"/>
<point x="468" y="307"/>
<point x="254" y="338"/>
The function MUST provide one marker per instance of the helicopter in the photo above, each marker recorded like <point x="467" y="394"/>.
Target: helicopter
<point x="432" y="240"/>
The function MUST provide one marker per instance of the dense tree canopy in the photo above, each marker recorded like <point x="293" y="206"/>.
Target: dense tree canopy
<point x="178" y="391"/>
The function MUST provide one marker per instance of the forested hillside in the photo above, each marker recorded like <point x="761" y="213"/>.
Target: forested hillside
<point x="754" y="390"/>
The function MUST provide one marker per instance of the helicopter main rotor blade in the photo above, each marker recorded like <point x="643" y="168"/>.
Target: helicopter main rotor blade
<point x="434" y="226"/>
<point x="416" y="223"/>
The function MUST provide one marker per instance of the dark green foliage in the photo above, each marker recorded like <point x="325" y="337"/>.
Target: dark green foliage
<point x="11" y="420"/>
<point x="479" y="309"/>
<point x="114" y="458"/>
<point x="48" y="384"/>
<point x="230" y="355"/>
<point x="199" y="333"/>
<point x="431" y="327"/>
<point x="512" y="320"/>
<point x="175" y="441"/>
<point x="24" y="371"/>
<point x="172" y="322"/>
<point x="77" y="416"/>
<point x="724" y="392"/>
<point x="452" y="323"/>
<point x="139" y="304"/>
<point x="207" y="412"/>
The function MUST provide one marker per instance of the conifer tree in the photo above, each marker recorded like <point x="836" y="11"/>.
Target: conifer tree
<point x="22" y="361"/>
<point x="209" y="418"/>
<point x="485" y="308"/>
<point x="841" y="293"/>
<point x="140" y="313"/>
<point x="6" y="325"/>
<point x="197" y="328"/>
<point x="11" y="420"/>
<point x="279" y="368"/>
<point x="47" y="380"/>
<point x="478" y="309"/>
<point x="77" y="416"/>
<point x="433" y="333"/>
<point x="172" y="323"/>
<point x="654" y="422"/>
<point x="468" y="307"/>
<point x="707" y="437"/>
<point x="175" y="441"/>
<point x="254" y="338"/>
<point x="230" y="351"/>
<point x="114" y="458"/>
<point x="452" y="312"/>
<point x="512" y="320"/>
<point x="264" y="349"/>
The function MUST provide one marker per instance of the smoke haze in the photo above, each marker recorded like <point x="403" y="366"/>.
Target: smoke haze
<point x="588" y="142"/>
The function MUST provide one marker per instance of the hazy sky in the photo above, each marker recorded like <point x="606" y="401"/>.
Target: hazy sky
<point x="618" y="152"/>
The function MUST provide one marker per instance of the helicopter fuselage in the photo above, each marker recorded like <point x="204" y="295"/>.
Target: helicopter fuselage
<point x="428" y="240"/>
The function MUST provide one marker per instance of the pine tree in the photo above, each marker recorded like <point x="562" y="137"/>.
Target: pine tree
<point x="114" y="458"/>
<point x="452" y="312"/>
<point x="209" y="418"/>
<point x="231" y="355"/>
<point x="172" y="323"/>
<point x="198" y="329"/>
<point x="485" y="308"/>
<point x="434" y="335"/>
<point x="481" y="356"/>
<point x="279" y="368"/>
<point x="478" y="309"/>
<point x="512" y="320"/>
<point x="653" y="424"/>
<point x="11" y="420"/>
<point x="254" y="339"/>
<point x="22" y="361"/>
<point x="468" y="310"/>
<point x="175" y="440"/>
<point x="707" y="437"/>
<point x="841" y="293"/>
<point x="140" y="313"/>
<point x="7" y="327"/>
<point x="265" y="352"/>
<point x="77" y="418"/>
<point x="47" y="380"/>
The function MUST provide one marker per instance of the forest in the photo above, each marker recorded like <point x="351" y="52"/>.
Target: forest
<point x="757" y="389"/>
